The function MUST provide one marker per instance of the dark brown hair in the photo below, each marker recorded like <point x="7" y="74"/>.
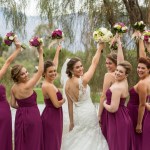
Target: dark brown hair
<point x="70" y="66"/>
<point x="145" y="61"/>
<point x="15" y="72"/>
<point x="126" y="65"/>
<point x="47" y="64"/>
<point x="113" y="57"/>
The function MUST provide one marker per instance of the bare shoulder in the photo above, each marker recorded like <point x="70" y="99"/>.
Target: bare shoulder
<point x="47" y="86"/>
<point x="142" y="84"/>
<point x="109" y="76"/>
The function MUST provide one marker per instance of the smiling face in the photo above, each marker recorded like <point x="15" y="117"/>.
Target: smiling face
<point x="50" y="73"/>
<point x="142" y="70"/>
<point x="23" y="75"/>
<point x="110" y="65"/>
<point x="78" y="69"/>
<point x="120" y="73"/>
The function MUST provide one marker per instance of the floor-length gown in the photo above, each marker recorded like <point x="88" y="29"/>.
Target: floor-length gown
<point x="117" y="127"/>
<point x="133" y="106"/>
<point x="28" y="125"/>
<point x="5" y="122"/>
<point x="146" y="131"/>
<point x="86" y="134"/>
<point x="52" y="121"/>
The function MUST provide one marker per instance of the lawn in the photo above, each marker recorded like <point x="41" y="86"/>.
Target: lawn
<point x="40" y="99"/>
<point x="95" y="96"/>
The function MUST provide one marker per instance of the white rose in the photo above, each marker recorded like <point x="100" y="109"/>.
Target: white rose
<point x="142" y="37"/>
<point x="11" y="38"/>
<point x="124" y="28"/>
<point x="103" y="30"/>
<point x="115" y="26"/>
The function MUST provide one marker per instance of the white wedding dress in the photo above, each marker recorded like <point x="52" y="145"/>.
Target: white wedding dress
<point x="86" y="134"/>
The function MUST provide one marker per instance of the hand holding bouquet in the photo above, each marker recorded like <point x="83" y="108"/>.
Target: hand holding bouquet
<point x="120" y="28"/>
<point x="146" y="36"/>
<point x="140" y="26"/>
<point x="36" y="41"/>
<point x="102" y="35"/>
<point x="10" y="38"/>
<point x="57" y="37"/>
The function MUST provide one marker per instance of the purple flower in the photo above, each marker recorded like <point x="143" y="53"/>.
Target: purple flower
<point x="35" y="41"/>
<point x="10" y="34"/>
<point x="146" y="38"/>
<point x="7" y="42"/>
<point x="57" y="34"/>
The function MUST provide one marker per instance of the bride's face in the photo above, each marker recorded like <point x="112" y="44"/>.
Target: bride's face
<point x="78" y="69"/>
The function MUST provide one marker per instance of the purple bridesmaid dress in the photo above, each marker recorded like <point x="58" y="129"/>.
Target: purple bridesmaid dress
<point x="146" y="131"/>
<point x="118" y="127"/>
<point x="133" y="106"/>
<point x="52" y="120"/>
<point x="5" y="122"/>
<point x="28" y="125"/>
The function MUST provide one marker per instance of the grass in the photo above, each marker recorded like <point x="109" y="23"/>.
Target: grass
<point x="40" y="100"/>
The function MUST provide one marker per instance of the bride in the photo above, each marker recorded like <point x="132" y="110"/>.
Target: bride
<point x="84" y="131"/>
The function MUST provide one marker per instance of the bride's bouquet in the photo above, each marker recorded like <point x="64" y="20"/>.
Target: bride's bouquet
<point x="140" y="26"/>
<point x="146" y="36"/>
<point x="9" y="39"/>
<point x="120" y="28"/>
<point x="36" y="41"/>
<point x="102" y="35"/>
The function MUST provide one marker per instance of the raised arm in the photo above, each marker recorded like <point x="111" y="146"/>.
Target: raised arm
<point x="142" y="52"/>
<point x="32" y="82"/>
<point x="11" y="58"/>
<point x="115" y="100"/>
<point x="89" y="74"/>
<point x="108" y="80"/>
<point x="56" y="57"/>
<point x="142" y="91"/>
<point x="120" y="56"/>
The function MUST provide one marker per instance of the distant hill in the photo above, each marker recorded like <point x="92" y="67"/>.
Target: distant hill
<point x="34" y="21"/>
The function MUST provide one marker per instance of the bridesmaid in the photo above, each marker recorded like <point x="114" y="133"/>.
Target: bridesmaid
<point x="28" y="124"/>
<point x="120" y="134"/>
<point x="52" y="116"/>
<point x="5" y="113"/>
<point x="138" y="96"/>
<point x="109" y="79"/>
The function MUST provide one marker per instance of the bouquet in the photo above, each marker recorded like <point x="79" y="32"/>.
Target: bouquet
<point x="120" y="28"/>
<point x="36" y="41"/>
<point x="140" y="26"/>
<point x="9" y="39"/>
<point x="146" y="36"/>
<point x="57" y="34"/>
<point x="102" y="35"/>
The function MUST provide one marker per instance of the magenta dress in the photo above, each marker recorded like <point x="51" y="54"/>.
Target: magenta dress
<point x="133" y="106"/>
<point x="146" y="131"/>
<point x="118" y="127"/>
<point x="52" y="120"/>
<point x="5" y="122"/>
<point x="28" y="125"/>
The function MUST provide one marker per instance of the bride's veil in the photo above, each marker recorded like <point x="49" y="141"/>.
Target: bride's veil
<point x="63" y="80"/>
